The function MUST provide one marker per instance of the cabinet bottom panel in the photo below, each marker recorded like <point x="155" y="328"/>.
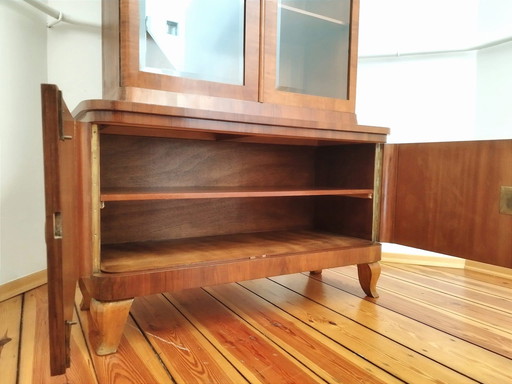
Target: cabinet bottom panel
<point x="191" y="252"/>
<point x="145" y="268"/>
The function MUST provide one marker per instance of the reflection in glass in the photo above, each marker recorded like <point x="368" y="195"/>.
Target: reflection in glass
<point x="197" y="39"/>
<point x="313" y="47"/>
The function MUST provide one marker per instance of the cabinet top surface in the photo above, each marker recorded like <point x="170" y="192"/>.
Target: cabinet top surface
<point x="228" y="116"/>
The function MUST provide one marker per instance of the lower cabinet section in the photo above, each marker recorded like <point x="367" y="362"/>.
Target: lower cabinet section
<point x="179" y="213"/>
<point x="138" y="206"/>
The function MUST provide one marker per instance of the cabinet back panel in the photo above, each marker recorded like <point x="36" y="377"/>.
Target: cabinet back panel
<point x="128" y="161"/>
<point x="346" y="166"/>
<point x="345" y="215"/>
<point x="159" y="220"/>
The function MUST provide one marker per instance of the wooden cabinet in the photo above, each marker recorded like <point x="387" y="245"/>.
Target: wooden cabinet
<point x="161" y="201"/>
<point x="276" y="52"/>
<point x="143" y="199"/>
<point x="175" y="181"/>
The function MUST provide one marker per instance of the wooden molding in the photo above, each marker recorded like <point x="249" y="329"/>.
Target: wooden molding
<point x="489" y="269"/>
<point x="428" y="260"/>
<point x="449" y="262"/>
<point x="24" y="284"/>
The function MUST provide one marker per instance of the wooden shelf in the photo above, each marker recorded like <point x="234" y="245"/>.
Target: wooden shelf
<point x="211" y="250"/>
<point x="312" y="14"/>
<point x="134" y="194"/>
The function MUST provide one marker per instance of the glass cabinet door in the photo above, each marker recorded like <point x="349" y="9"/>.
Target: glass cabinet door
<point x="313" y="46"/>
<point x="311" y="51"/>
<point x="194" y="39"/>
<point x="200" y="47"/>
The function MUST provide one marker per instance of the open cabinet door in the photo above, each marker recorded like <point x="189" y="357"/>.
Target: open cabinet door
<point x="62" y="221"/>
<point x="450" y="198"/>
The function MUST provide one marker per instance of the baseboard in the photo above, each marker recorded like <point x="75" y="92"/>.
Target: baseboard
<point x="489" y="269"/>
<point x="24" y="284"/>
<point x="428" y="260"/>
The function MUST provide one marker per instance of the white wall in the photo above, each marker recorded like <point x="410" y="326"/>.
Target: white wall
<point x="74" y="51"/>
<point x="494" y="96"/>
<point x="433" y="97"/>
<point x="22" y="70"/>
<point x="67" y="55"/>
<point x="421" y="98"/>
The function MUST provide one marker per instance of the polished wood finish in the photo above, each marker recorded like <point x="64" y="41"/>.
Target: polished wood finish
<point x="63" y="220"/>
<point x="122" y="79"/>
<point x="190" y="113"/>
<point x="396" y="338"/>
<point x="143" y="256"/>
<point x="444" y="197"/>
<point x="137" y="194"/>
<point x="116" y="286"/>
<point x="368" y="275"/>
<point x="163" y="210"/>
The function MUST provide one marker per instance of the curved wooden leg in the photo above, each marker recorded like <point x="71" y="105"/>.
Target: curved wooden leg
<point x="368" y="276"/>
<point x="109" y="319"/>
<point x="316" y="272"/>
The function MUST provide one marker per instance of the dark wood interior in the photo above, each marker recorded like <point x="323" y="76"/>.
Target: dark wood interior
<point x="161" y="192"/>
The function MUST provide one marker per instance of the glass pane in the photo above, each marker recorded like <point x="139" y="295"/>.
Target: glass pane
<point x="313" y="47"/>
<point x="197" y="39"/>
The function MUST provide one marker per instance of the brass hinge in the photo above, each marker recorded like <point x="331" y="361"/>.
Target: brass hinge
<point x="506" y="200"/>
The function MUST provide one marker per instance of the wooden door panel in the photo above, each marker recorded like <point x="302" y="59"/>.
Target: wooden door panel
<point x="445" y="197"/>
<point x="62" y="221"/>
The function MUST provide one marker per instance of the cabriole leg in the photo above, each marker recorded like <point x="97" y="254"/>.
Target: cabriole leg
<point x="109" y="319"/>
<point x="368" y="276"/>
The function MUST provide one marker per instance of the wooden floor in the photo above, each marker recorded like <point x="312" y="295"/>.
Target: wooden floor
<point x="430" y="325"/>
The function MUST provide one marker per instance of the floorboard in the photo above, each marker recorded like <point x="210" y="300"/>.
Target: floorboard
<point x="429" y="325"/>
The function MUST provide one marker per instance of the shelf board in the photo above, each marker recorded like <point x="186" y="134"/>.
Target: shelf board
<point x="213" y="250"/>
<point x="134" y="194"/>
<point x="311" y="14"/>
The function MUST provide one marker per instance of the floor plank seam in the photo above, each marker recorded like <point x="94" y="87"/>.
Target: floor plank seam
<point x="454" y="283"/>
<point x="155" y="352"/>
<point x="329" y="337"/>
<point x="427" y="272"/>
<point x="166" y="296"/>
<point x="268" y="338"/>
<point x="435" y="305"/>
<point x="20" y="335"/>
<point x="375" y="301"/>
<point x="80" y="324"/>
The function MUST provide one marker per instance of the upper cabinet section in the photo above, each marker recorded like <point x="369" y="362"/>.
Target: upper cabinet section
<point x="284" y="52"/>
<point x="307" y="53"/>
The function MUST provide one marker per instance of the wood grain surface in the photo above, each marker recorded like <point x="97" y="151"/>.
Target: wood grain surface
<point x="321" y="328"/>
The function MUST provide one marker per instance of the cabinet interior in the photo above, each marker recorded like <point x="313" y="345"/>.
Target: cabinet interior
<point x="172" y="202"/>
